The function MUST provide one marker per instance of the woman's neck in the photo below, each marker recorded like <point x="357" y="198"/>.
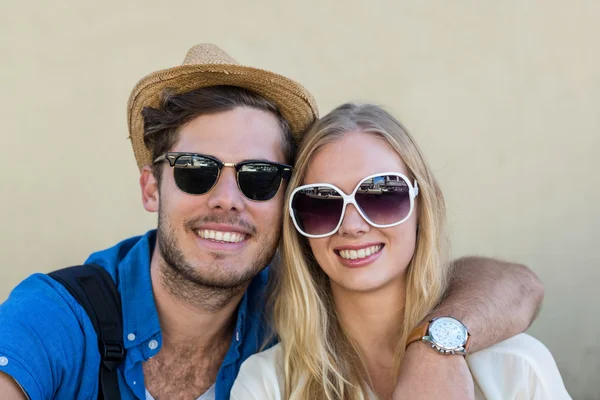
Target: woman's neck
<point x="374" y="321"/>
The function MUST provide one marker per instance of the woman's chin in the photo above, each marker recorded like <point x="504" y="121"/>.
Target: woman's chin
<point x="363" y="284"/>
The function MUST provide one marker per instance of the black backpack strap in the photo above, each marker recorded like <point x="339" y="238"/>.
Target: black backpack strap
<point x="95" y="290"/>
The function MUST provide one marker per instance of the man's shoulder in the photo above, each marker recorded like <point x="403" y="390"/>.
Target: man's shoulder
<point x="42" y="289"/>
<point x="39" y="301"/>
<point x="39" y="291"/>
<point x="111" y="257"/>
<point x="47" y="342"/>
<point x="43" y="334"/>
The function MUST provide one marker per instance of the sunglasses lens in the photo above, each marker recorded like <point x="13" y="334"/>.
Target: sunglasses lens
<point x="384" y="199"/>
<point x="317" y="209"/>
<point x="195" y="174"/>
<point x="259" y="181"/>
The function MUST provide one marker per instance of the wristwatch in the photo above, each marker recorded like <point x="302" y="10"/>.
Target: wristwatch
<point x="445" y="334"/>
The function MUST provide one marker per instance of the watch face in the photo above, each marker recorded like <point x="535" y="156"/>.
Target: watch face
<point x="448" y="333"/>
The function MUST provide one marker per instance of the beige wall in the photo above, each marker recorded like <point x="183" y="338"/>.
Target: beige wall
<point x="504" y="98"/>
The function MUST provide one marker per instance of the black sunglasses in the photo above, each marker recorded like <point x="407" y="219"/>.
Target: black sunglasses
<point x="198" y="174"/>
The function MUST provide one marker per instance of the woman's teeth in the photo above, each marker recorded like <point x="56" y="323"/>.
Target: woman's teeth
<point x="362" y="253"/>
<point x="218" y="236"/>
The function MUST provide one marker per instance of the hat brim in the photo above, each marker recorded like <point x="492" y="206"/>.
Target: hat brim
<point x="294" y="102"/>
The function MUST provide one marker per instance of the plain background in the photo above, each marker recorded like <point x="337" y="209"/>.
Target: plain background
<point x="503" y="97"/>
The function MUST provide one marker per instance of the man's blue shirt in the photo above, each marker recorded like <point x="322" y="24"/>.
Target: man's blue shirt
<point x="48" y="344"/>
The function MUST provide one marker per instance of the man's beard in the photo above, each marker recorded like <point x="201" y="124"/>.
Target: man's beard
<point x="211" y="286"/>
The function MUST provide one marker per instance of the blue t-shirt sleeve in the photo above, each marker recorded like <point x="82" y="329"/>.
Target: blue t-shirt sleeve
<point x="43" y="342"/>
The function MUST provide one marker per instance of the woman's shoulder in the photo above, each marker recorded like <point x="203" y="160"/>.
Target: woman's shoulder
<point x="260" y="377"/>
<point x="519" y="367"/>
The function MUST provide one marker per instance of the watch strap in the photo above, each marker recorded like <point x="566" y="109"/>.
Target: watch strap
<point x="418" y="333"/>
<point x="468" y="343"/>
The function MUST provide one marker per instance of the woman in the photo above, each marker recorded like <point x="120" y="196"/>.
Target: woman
<point x="365" y="259"/>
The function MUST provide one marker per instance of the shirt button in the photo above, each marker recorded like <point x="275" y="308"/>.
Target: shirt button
<point x="3" y="361"/>
<point x="153" y="344"/>
<point x="131" y="337"/>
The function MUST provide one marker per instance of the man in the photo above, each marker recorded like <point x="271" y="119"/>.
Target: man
<point x="214" y="141"/>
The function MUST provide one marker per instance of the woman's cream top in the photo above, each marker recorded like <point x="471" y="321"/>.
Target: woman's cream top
<point x="518" y="368"/>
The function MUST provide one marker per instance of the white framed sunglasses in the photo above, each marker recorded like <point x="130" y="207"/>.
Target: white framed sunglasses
<point x="384" y="200"/>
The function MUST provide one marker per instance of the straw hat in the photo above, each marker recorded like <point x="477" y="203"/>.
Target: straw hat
<point x="207" y="65"/>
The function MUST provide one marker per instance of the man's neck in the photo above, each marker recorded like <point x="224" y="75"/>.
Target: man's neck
<point x="189" y="322"/>
<point x="195" y="335"/>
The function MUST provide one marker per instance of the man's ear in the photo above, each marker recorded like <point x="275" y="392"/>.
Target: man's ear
<point x="149" y="186"/>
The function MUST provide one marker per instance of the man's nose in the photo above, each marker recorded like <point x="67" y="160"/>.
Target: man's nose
<point x="226" y="195"/>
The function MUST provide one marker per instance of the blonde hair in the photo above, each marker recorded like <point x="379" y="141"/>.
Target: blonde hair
<point x="320" y="360"/>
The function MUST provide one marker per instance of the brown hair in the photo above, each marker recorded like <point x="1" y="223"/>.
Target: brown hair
<point x="162" y="124"/>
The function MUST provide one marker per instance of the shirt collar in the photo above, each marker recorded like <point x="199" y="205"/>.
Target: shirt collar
<point x="249" y="319"/>
<point x="140" y="318"/>
<point x="128" y="262"/>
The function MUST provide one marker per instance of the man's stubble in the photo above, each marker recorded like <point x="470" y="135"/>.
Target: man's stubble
<point x="210" y="286"/>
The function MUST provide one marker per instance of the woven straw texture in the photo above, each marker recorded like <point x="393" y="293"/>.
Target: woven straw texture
<point x="207" y="65"/>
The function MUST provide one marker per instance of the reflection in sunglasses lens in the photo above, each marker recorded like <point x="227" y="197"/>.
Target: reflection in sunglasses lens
<point x="259" y="181"/>
<point x="384" y="199"/>
<point x="317" y="209"/>
<point x="195" y="175"/>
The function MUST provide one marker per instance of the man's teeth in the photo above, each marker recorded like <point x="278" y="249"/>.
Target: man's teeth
<point x="231" y="237"/>
<point x="362" y="253"/>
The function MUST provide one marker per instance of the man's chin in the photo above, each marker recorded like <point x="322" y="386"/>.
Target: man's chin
<point x="219" y="271"/>
<point x="220" y="280"/>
